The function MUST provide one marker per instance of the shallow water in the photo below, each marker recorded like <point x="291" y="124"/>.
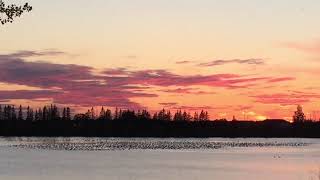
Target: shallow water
<point x="152" y="158"/>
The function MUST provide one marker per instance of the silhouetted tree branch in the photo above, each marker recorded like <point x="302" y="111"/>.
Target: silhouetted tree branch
<point x="9" y="12"/>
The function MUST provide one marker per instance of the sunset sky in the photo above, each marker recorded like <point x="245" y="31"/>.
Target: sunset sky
<point x="229" y="57"/>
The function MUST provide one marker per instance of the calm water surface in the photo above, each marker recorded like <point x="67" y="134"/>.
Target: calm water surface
<point x="158" y="159"/>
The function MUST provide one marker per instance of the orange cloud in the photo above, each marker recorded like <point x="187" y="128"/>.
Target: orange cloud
<point x="313" y="47"/>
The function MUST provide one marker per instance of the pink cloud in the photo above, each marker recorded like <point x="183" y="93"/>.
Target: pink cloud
<point x="186" y="91"/>
<point x="77" y="84"/>
<point x="166" y="78"/>
<point x="274" y="80"/>
<point x="192" y="108"/>
<point x="292" y="98"/>
<point x="175" y="106"/>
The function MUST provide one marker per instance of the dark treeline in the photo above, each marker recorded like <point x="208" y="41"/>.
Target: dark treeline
<point x="54" y="121"/>
<point x="52" y="112"/>
<point x="163" y="115"/>
<point x="10" y="113"/>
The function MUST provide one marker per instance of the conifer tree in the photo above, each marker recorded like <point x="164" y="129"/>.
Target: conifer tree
<point x="29" y="115"/>
<point x="40" y="114"/>
<point x="299" y="116"/>
<point x="155" y="116"/>
<point x="185" y="116"/>
<point x="7" y="113"/>
<point x="196" y="116"/>
<point x="1" y="113"/>
<point x="64" y="114"/>
<point x="202" y="116"/>
<point x="116" y="114"/>
<point x="108" y="115"/>
<point x="189" y="117"/>
<point x="20" y="117"/>
<point x="92" y="114"/>
<point x="120" y="113"/>
<point x="145" y="115"/>
<point x="68" y="114"/>
<point x="55" y="113"/>
<point x="206" y="116"/>
<point x="36" y="116"/>
<point x="13" y="113"/>
<point x="45" y="113"/>
<point x="102" y="115"/>
<point x="162" y="115"/>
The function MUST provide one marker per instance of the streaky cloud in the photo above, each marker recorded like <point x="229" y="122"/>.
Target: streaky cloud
<point x="184" y="62"/>
<point x="285" y="99"/>
<point x="186" y="91"/>
<point x="114" y="87"/>
<point x="307" y="47"/>
<point x="252" y="61"/>
<point x="25" y="54"/>
<point x="168" y="104"/>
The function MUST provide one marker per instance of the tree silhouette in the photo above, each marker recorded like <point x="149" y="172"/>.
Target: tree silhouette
<point x="102" y="114"/>
<point x="155" y="116"/>
<point x="20" y="113"/>
<point x="9" y="12"/>
<point x="178" y="116"/>
<point x="196" y="116"/>
<point x="37" y="116"/>
<point x="29" y="114"/>
<point x="92" y="114"/>
<point x="108" y="115"/>
<point x="68" y="114"/>
<point x="299" y="116"/>
<point x="164" y="115"/>
<point x="44" y="113"/>
<point x="116" y="113"/>
<point x="105" y="115"/>
<point x="13" y="113"/>
<point x="145" y="115"/>
<point x="64" y="114"/>
<point x="1" y="113"/>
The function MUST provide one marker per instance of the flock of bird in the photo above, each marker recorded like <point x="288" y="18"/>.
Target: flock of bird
<point x="151" y="144"/>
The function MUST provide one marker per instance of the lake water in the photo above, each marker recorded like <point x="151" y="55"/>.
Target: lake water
<point x="159" y="159"/>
